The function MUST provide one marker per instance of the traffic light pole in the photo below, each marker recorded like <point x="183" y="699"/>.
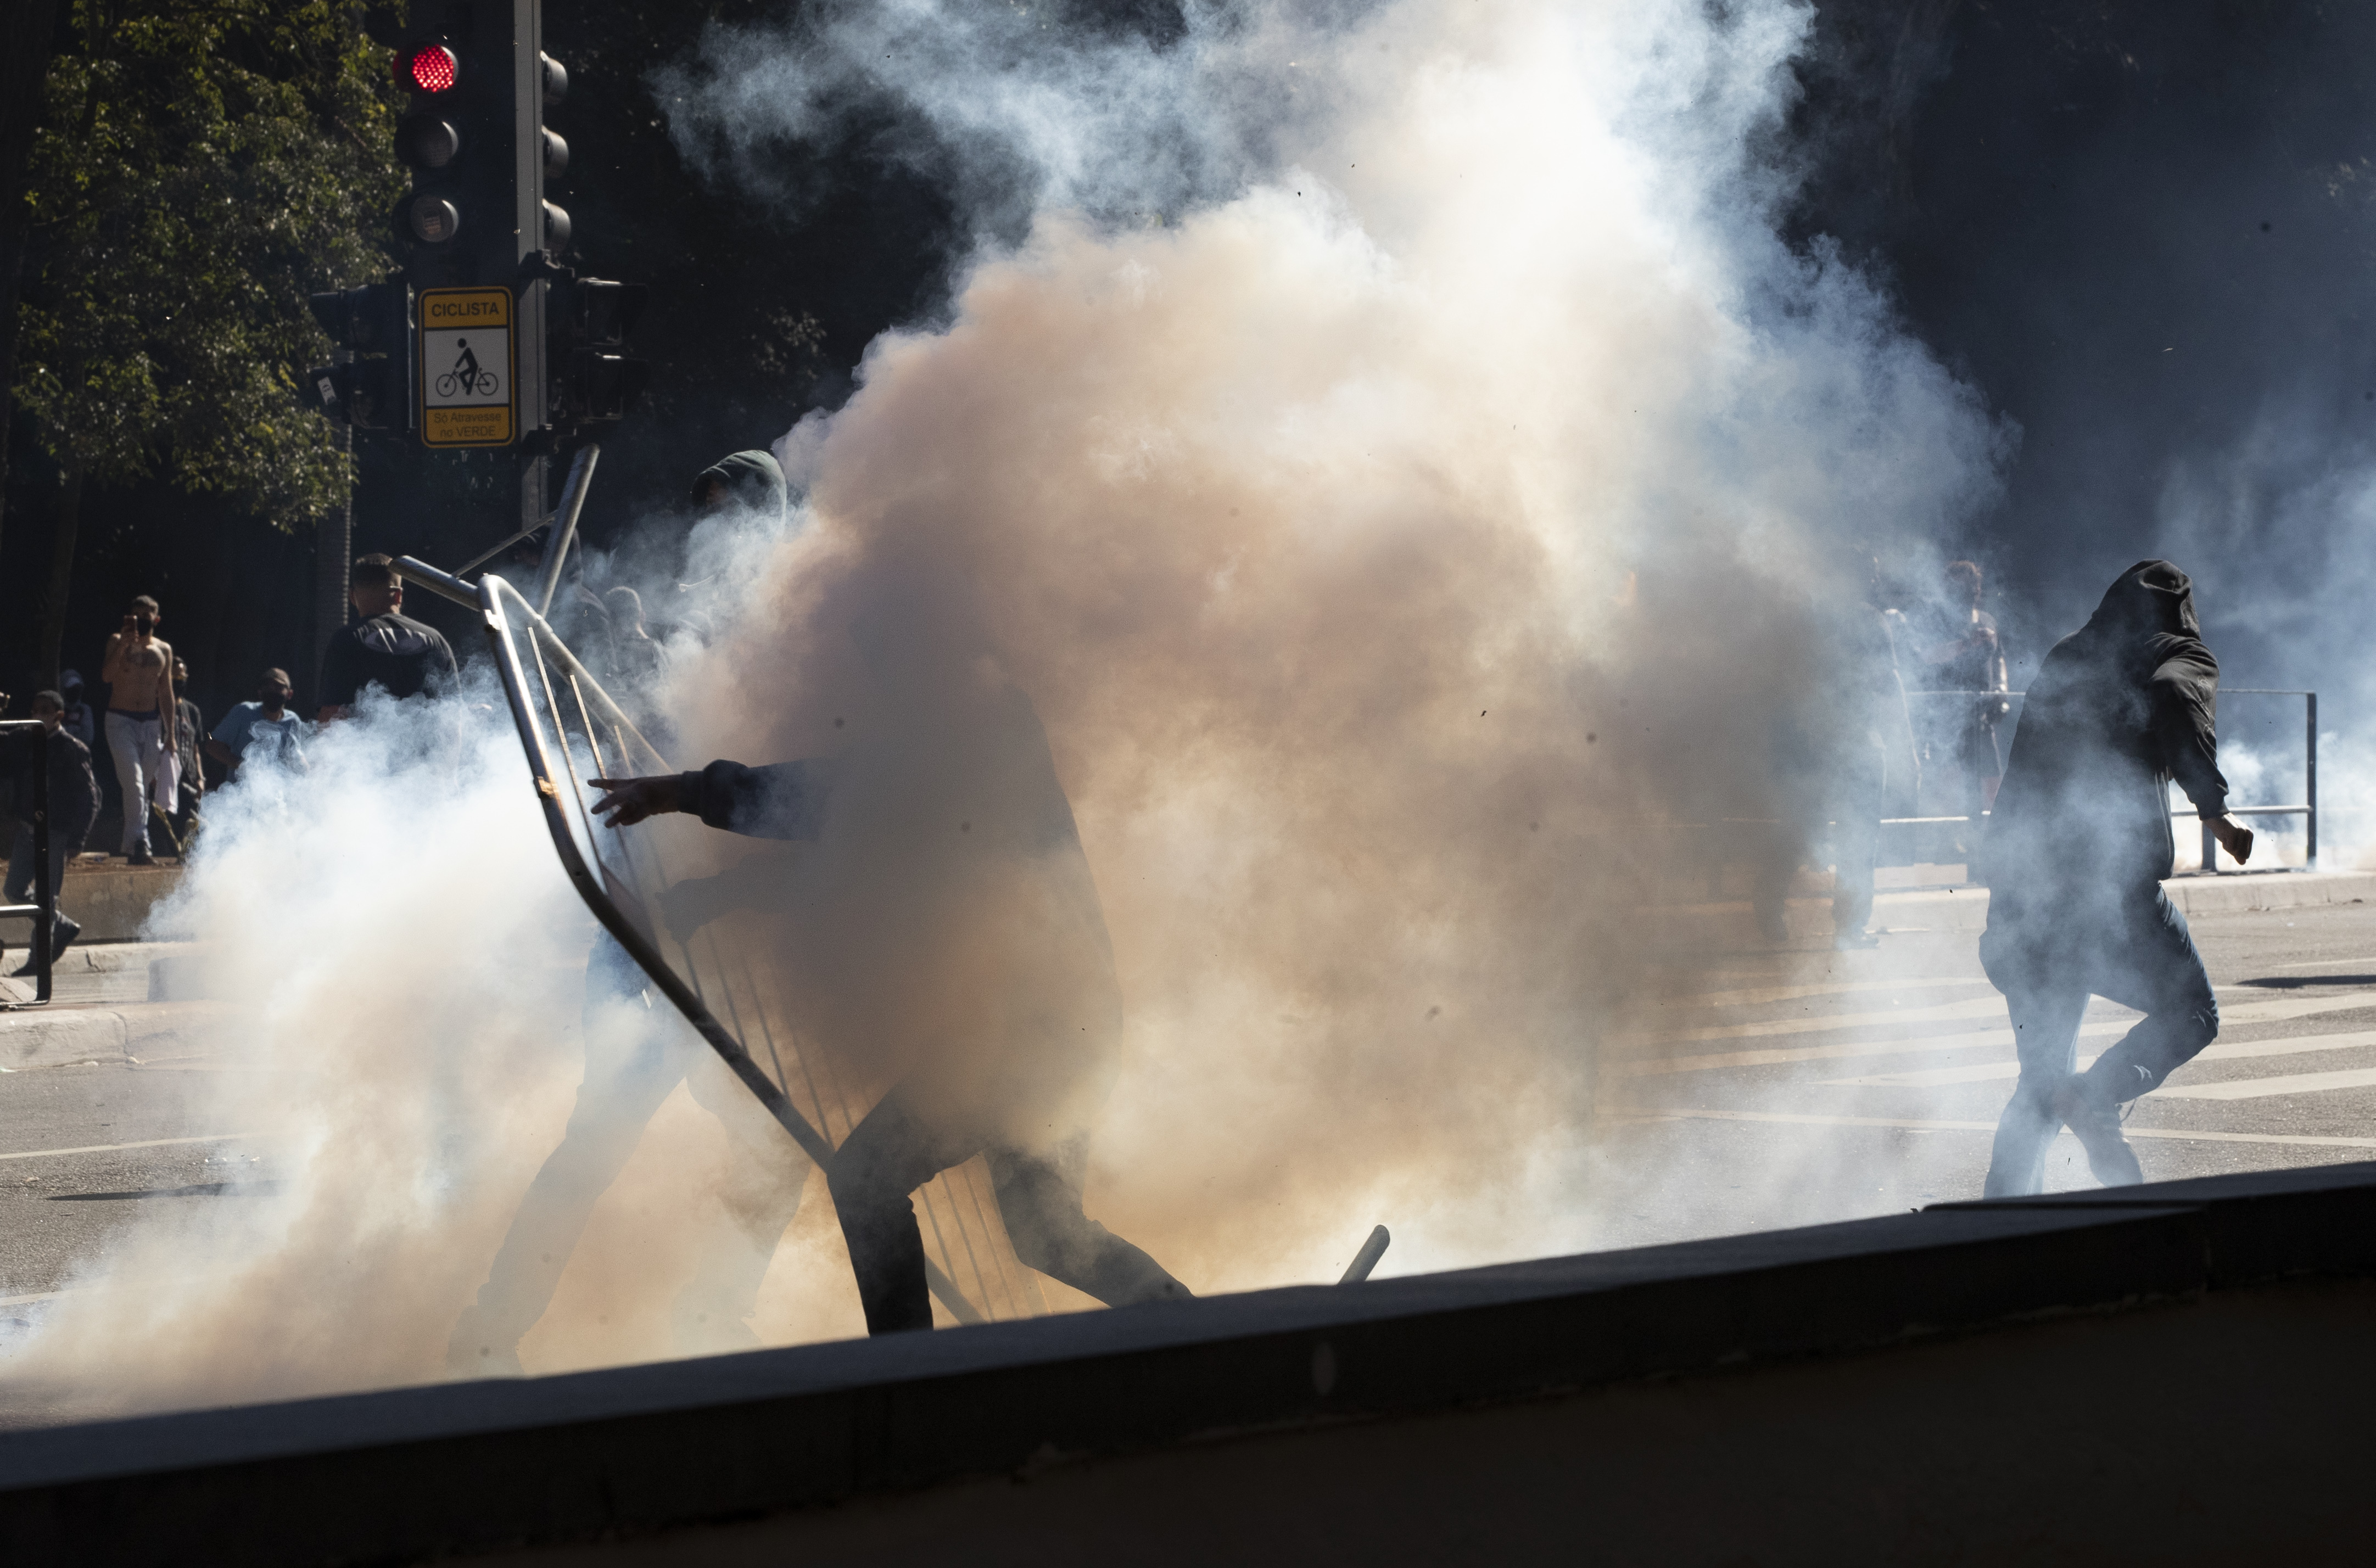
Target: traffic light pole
<point x="564" y="525"/>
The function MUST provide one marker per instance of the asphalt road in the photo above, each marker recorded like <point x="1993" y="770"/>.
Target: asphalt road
<point x="1768" y="1090"/>
<point x="1794" y="1087"/>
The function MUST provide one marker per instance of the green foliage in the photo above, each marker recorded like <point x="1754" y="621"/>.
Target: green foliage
<point x="202" y="166"/>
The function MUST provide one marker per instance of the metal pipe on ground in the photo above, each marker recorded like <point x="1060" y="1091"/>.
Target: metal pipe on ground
<point x="1367" y="1258"/>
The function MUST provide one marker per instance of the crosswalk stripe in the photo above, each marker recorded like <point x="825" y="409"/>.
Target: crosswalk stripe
<point x="1760" y="996"/>
<point x="1798" y="1119"/>
<point x="1940" y="1012"/>
<point x="2263" y="1088"/>
<point x="111" y="1148"/>
<point x="1935" y="1077"/>
<point x="2242" y="1014"/>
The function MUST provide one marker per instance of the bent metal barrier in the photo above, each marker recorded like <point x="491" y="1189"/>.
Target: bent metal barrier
<point x="659" y="889"/>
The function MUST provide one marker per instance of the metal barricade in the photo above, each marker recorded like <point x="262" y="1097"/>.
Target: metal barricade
<point x="2307" y="808"/>
<point x="714" y="970"/>
<point x="43" y="911"/>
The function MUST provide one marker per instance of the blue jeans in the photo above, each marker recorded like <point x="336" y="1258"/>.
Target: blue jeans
<point x="65" y="844"/>
<point x="2049" y="953"/>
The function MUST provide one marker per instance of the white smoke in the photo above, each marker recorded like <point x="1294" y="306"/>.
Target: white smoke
<point x="1394" y="451"/>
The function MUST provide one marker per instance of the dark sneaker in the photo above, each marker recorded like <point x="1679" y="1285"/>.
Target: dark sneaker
<point x="140" y="858"/>
<point x="2097" y="1123"/>
<point x="62" y="935"/>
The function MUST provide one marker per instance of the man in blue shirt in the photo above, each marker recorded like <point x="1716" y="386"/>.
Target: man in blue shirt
<point x="266" y="722"/>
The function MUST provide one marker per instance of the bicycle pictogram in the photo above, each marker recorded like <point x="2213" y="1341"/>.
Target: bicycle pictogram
<point x="466" y="377"/>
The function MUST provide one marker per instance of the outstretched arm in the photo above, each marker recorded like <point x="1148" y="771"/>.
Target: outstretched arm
<point x="785" y="800"/>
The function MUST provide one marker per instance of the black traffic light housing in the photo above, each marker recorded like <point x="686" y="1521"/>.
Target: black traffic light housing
<point x="482" y="155"/>
<point x="373" y="389"/>
<point x="596" y="380"/>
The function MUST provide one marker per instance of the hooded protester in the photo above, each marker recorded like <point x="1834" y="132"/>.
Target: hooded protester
<point x="2079" y="842"/>
<point x="753" y="480"/>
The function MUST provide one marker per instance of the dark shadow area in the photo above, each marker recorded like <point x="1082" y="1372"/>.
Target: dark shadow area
<point x="204" y="1190"/>
<point x="2296" y="982"/>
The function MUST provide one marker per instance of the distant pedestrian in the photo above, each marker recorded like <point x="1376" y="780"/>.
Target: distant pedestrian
<point x="74" y="806"/>
<point x="1841" y="748"/>
<point x="2075" y="858"/>
<point x="385" y="649"/>
<point x="80" y="722"/>
<point x="267" y="727"/>
<point x="142" y="722"/>
<point x="634" y="656"/>
<point x="1965" y="654"/>
<point x="189" y="734"/>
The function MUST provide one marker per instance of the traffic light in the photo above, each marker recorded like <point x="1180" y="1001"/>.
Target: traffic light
<point x="373" y="389"/>
<point x="477" y="219"/>
<point x="595" y="379"/>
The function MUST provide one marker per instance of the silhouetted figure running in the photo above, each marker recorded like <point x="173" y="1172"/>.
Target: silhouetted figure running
<point x="2077" y="847"/>
<point x="957" y="936"/>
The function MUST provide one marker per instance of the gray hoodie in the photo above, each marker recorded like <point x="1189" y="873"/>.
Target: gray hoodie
<point x="752" y="478"/>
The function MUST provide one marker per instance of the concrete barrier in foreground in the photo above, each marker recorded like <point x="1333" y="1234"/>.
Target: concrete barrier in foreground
<point x="2175" y="1372"/>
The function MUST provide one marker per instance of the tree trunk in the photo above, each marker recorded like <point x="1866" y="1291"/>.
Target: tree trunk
<point x="62" y="554"/>
<point x="334" y="545"/>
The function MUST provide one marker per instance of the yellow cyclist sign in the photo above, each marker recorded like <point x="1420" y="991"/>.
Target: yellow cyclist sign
<point x="465" y="374"/>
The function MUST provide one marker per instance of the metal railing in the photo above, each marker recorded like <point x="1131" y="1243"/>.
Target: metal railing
<point x="2306" y="808"/>
<point x="43" y="911"/>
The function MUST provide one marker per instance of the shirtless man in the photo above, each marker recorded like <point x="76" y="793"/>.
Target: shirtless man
<point x="142" y="723"/>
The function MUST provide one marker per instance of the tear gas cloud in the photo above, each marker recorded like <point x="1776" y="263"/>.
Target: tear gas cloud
<point x="1400" y="463"/>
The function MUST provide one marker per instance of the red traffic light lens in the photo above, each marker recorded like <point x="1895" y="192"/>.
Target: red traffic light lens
<point x="432" y="68"/>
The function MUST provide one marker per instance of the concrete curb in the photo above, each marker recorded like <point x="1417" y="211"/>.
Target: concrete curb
<point x="54" y="1039"/>
<point x="56" y="1036"/>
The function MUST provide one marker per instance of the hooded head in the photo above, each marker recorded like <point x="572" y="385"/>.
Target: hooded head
<point x="2151" y="599"/>
<point x="750" y="479"/>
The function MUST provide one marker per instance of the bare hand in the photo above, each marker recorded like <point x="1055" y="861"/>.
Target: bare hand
<point x="2234" y="837"/>
<point x="626" y="802"/>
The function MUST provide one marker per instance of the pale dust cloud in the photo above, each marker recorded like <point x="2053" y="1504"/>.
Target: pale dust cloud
<point x="1396" y="536"/>
<point x="1388" y="551"/>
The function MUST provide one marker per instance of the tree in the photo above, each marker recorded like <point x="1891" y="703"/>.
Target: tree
<point x="201" y="166"/>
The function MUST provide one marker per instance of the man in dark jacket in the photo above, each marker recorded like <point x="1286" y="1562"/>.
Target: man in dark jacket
<point x="2079" y="843"/>
<point x="951" y="941"/>
<point x="385" y="649"/>
<point x="74" y="806"/>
